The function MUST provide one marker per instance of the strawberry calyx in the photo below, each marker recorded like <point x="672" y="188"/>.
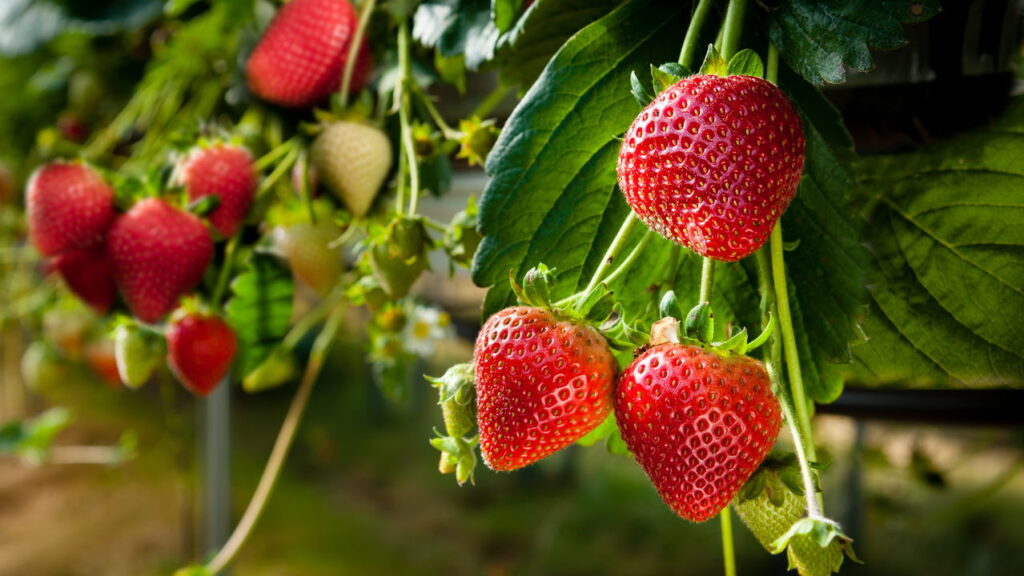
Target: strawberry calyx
<point x="698" y="329"/>
<point x="778" y="475"/>
<point x="815" y="530"/>
<point x="457" y="398"/>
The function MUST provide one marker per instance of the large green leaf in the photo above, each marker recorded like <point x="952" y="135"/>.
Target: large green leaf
<point x="537" y="35"/>
<point x="552" y="196"/>
<point x="260" y="310"/>
<point x="821" y="39"/>
<point x="947" y="234"/>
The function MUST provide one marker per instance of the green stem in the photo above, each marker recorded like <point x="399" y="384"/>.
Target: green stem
<point x="689" y="49"/>
<point x="282" y="446"/>
<point x="405" y="65"/>
<point x="307" y="199"/>
<point x="772" y="363"/>
<point x="353" y="50"/>
<point x="278" y="173"/>
<point x="792" y="354"/>
<point x="733" y="28"/>
<point x="707" y="280"/>
<point x="618" y="243"/>
<point x="275" y="154"/>
<point x="773" y="64"/>
<point x="628" y="262"/>
<point x="449" y="132"/>
<point x="225" y="271"/>
<point x="728" y="553"/>
<point x="487" y="105"/>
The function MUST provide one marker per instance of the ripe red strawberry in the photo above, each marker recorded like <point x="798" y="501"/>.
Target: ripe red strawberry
<point x="698" y="423"/>
<point x="158" y="253"/>
<point x="228" y="173"/>
<point x="200" y="350"/>
<point x="300" y="59"/>
<point x="88" y="274"/>
<point x="713" y="162"/>
<point x="69" y="207"/>
<point x="541" y="383"/>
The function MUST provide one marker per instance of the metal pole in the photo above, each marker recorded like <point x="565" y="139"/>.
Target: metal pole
<point x="215" y="448"/>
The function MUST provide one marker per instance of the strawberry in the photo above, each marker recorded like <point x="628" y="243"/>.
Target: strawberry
<point x="200" y="350"/>
<point x="352" y="160"/>
<point x="713" y="162"/>
<point x="308" y="249"/>
<point x="69" y="207"/>
<point x="699" y="423"/>
<point x="542" y="383"/>
<point x="87" y="273"/>
<point x="158" y="253"/>
<point x="228" y="173"/>
<point x="299" y="60"/>
<point x="770" y="520"/>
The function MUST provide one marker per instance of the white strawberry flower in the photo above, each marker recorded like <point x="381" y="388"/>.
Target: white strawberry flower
<point x="425" y="327"/>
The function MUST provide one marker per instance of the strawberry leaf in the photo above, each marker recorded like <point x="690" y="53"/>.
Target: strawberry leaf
<point x="822" y="39"/>
<point x="552" y="196"/>
<point x="947" y="233"/>
<point x="259" y="310"/>
<point x="526" y="49"/>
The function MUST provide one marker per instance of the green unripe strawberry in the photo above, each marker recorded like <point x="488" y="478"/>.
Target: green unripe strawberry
<point x="400" y="256"/>
<point x="769" y="507"/>
<point x="42" y="369"/>
<point x="137" y="355"/>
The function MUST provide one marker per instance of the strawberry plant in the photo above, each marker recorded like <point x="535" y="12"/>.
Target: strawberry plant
<point x="671" y="181"/>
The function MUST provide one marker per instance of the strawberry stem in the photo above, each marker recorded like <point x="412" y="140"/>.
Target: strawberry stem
<point x="405" y="65"/>
<point x="354" y="48"/>
<point x="733" y="28"/>
<point x="225" y="271"/>
<point x="792" y="354"/>
<point x="690" y="43"/>
<point x="618" y="243"/>
<point x="282" y="446"/>
<point x="707" y="280"/>
<point x="773" y="361"/>
<point x="727" y="547"/>
<point x="488" y="104"/>
<point x="628" y="262"/>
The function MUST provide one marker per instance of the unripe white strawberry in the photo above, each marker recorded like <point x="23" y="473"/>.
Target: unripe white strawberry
<point x="352" y="160"/>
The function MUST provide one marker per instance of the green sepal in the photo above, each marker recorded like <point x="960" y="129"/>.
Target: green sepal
<point x="462" y="238"/>
<point x="641" y="93"/>
<point x="669" y="306"/>
<point x="619" y="333"/>
<point x="537" y="286"/>
<point x="407" y="238"/>
<point x="700" y="323"/>
<point x="458" y="455"/>
<point x="277" y="369"/>
<point x="820" y="531"/>
<point x="746" y="63"/>
<point x="204" y="206"/>
<point x="764" y="335"/>
<point x="737" y="344"/>
<point x="714" y="63"/>
<point x="666" y="75"/>
<point x="595" y="306"/>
